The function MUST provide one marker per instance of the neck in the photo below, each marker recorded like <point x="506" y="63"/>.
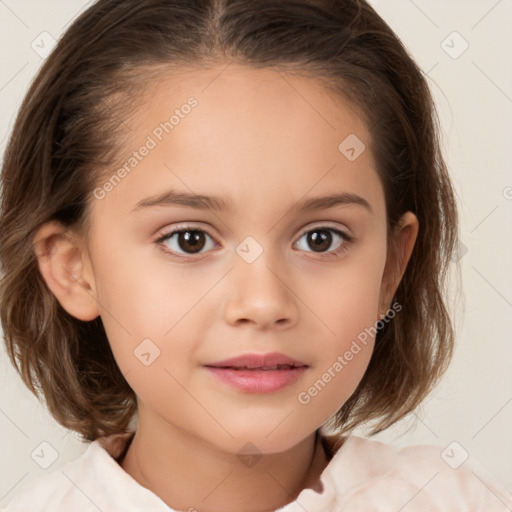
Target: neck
<point x="188" y="473"/>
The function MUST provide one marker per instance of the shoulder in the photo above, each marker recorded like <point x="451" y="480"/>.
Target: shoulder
<point x="47" y="491"/>
<point x="92" y="482"/>
<point x="377" y="476"/>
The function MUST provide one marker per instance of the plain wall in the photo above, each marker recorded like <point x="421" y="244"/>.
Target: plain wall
<point x="473" y="90"/>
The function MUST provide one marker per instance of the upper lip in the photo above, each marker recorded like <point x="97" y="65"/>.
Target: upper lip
<point x="269" y="360"/>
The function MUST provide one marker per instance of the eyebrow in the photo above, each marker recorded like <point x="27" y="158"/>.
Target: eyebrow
<point x="204" y="202"/>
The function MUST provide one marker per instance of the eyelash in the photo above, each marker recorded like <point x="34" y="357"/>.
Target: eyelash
<point x="181" y="229"/>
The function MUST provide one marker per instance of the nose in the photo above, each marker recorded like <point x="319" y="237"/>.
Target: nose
<point x="261" y="295"/>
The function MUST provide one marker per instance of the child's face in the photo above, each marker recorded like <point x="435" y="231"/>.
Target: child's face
<point x="264" y="143"/>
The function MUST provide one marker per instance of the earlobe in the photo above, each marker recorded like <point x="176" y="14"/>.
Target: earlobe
<point x="404" y="239"/>
<point x="66" y="269"/>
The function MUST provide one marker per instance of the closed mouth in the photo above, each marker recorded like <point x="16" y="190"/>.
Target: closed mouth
<point x="259" y="368"/>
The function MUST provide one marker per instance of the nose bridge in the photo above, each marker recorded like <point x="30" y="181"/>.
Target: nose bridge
<point x="262" y="293"/>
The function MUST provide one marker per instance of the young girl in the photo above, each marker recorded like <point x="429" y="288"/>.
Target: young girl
<point x="230" y="221"/>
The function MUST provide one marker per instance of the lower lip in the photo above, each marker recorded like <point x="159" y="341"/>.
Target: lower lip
<point x="258" y="381"/>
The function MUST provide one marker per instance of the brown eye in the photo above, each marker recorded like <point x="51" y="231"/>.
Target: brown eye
<point x="191" y="241"/>
<point x="186" y="241"/>
<point x="322" y="238"/>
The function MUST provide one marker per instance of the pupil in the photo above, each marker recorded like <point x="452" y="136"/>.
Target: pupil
<point x="320" y="241"/>
<point x="193" y="239"/>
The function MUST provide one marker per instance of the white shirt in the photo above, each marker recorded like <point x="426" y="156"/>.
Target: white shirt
<point x="363" y="476"/>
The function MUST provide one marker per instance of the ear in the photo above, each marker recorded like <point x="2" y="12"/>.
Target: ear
<point x="66" y="269"/>
<point x="404" y="237"/>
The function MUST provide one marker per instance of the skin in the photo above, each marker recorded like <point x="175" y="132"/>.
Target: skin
<point x="265" y="141"/>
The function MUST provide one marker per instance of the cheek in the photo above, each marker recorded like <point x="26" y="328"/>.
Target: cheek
<point x="341" y="366"/>
<point x="348" y="304"/>
<point x="142" y="309"/>
<point x="347" y="297"/>
<point x="142" y="293"/>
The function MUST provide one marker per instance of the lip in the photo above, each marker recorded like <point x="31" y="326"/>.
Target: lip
<point x="252" y="361"/>
<point x="258" y="373"/>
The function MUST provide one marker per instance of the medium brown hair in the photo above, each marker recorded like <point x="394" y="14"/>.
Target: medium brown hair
<point x="69" y="132"/>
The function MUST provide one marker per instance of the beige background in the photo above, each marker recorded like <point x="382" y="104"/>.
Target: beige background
<point x="473" y="88"/>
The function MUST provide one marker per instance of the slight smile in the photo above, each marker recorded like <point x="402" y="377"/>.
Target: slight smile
<point x="258" y="373"/>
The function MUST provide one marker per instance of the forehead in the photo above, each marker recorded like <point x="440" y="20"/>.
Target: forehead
<point x="252" y="135"/>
